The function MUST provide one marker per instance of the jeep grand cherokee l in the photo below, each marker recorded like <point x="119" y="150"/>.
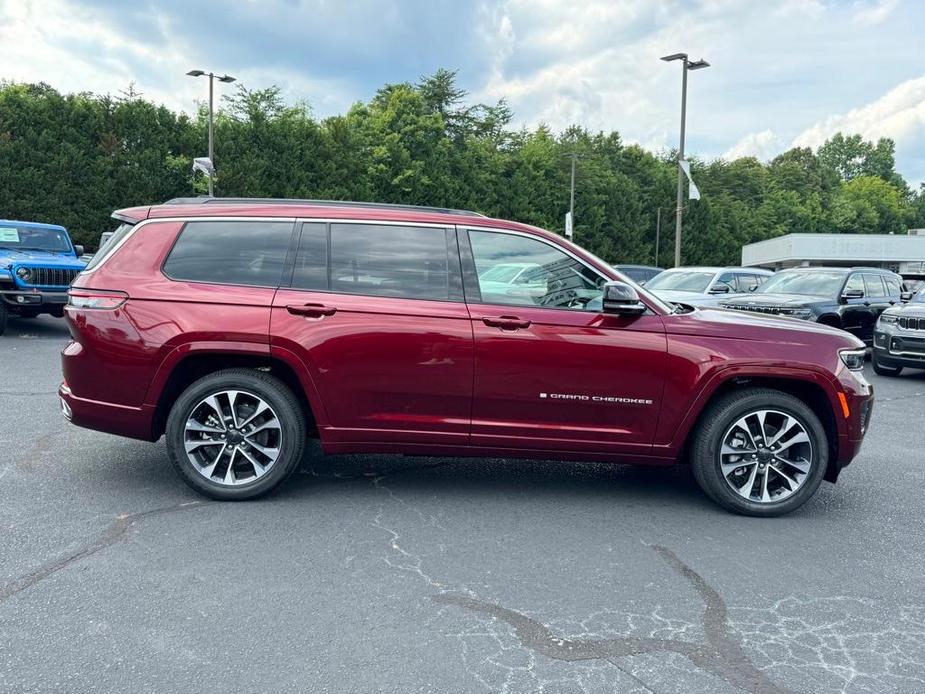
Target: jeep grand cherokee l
<point x="846" y="298"/>
<point x="238" y="328"/>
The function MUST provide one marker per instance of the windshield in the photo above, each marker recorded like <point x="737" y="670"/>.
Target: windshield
<point x="685" y="281"/>
<point x="814" y="283"/>
<point x="919" y="297"/>
<point x="23" y="238"/>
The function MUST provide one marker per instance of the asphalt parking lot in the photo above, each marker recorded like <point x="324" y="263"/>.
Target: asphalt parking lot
<point x="392" y="574"/>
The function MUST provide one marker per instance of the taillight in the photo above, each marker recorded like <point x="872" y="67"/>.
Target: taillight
<point x="95" y="298"/>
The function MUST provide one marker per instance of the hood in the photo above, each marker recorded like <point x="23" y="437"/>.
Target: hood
<point x="782" y="300"/>
<point x="693" y="298"/>
<point x="11" y="256"/>
<point x="916" y="309"/>
<point x="741" y="325"/>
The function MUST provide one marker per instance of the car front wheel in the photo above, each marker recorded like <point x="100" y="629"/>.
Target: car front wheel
<point x="760" y="452"/>
<point x="236" y="434"/>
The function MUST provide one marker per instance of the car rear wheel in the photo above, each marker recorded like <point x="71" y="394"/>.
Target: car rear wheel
<point x="760" y="452"/>
<point x="882" y="369"/>
<point x="236" y="434"/>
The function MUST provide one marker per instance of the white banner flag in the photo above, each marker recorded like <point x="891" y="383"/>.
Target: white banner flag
<point x="694" y="192"/>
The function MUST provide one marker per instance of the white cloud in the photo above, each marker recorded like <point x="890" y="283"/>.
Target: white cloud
<point x="899" y="114"/>
<point x="876" y="12"/>
<point x="764" y="145"/>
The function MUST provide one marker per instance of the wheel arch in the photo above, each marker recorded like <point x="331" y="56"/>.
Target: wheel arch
<point x="808" y="390"/>
<point x="831" y="319"/>
<point x="193" y="365"/>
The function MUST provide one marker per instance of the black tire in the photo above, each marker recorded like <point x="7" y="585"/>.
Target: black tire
<point x="4" y="316"/>
<point x="274" y="393"/>
<point x="716" y="422"/>
<point x="884" y="370"/>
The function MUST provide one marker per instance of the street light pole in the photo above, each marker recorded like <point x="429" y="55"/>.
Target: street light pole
<point x="658" y="231"/>
<point x="571" y="204"/>
<point x="212" y="77"/>
<point x="685" y="66"/>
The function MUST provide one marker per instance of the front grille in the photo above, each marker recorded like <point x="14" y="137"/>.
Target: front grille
<point x="912" y="346"/>
<point x="911" y="323"/>
<point x="773" y="310"/>
<point x="49" y="277"/>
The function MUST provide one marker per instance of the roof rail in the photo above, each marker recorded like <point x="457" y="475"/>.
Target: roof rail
<point x="205" y="200"/>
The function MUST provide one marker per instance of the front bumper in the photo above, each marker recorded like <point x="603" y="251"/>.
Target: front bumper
<point x="900" y="348"/>
<point x="34" y="298"/>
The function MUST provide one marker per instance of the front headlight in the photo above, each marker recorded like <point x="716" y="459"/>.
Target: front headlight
<point x="23" y="273"/>
<point x="803" y="313"/>
<point x="853" y="358"/>
<point x="888" y="318"/>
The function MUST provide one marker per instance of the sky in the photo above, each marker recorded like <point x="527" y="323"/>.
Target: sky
<point x="783" y="73"/>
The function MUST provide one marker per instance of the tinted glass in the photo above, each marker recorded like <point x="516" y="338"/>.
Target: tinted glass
<point x="311" y="263"/>
<point x="682" y="281"/>
<point x="728" y="279"/>
<point x="747" y="283"/>
<point x="855" y="283"/>
<point x="114" y="238"/>
<point x="384" y="260"/>
<point x="230" y="252"/>
<point x="813" y="283"/>
<point x="545" y="275"/>
<point x="873" y="286"/>
<point x="893" y="286"/>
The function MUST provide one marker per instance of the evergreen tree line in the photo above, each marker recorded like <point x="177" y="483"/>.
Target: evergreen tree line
<point x="72" y="159"/>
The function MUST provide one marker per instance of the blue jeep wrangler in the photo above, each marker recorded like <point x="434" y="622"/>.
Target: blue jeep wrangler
<point x="37" y="263"/>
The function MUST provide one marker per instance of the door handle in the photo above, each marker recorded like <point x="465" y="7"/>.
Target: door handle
<point x="506" y="322"/>
<point x="311" y="310"/>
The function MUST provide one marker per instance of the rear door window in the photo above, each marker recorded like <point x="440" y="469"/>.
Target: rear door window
<point x="230" y="252"/>
<point x="873" y="286"/>
<point x="388" y="260"/>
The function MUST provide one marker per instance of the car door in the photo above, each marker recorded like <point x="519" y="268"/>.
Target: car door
<point x="552" y="371"/>
<point x="878" y="300"/>
<point x="375" y="313"/>
<point x="855" y="314"/>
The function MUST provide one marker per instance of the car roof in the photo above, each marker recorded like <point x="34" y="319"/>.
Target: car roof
<point x="830" y="268"/>
<point x="33" y="225"/>
<point x="728" y="268"/>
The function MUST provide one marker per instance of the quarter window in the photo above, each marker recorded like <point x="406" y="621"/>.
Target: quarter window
<point x="522" y="271"/>
<point x="230" y="252"/>
<point x="386" y="260"/>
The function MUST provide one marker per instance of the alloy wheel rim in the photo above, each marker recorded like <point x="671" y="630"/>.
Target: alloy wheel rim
<point x="766" y="456"/>
<point x="232" y="437"/>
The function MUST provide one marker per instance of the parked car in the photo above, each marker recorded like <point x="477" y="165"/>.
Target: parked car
<point x="640" y="274"/>
<point x="238" y="329"/>
<point x="37" y="263"/>
<point x="913" y="283"/>
<point x="899" y="337"/>
<point x="706" y="286"/>
<point x="846" y="298"/>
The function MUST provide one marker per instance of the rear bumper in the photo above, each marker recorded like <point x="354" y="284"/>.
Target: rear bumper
<point x="121" y="420"/>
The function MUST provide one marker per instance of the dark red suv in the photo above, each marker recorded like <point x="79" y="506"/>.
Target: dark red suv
<point x="239" y="328"/>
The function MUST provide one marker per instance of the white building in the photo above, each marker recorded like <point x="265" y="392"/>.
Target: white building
<point x="902" y="253"/>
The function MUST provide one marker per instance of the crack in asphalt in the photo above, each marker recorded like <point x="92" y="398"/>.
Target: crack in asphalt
<point x="116" y="531"/>
<point x="722" y="654"/>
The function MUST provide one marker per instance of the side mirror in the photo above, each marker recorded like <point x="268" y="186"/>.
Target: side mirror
<point x="905" y="297"/>
<point x="720" y="289"/>
<point x="78" y="250"/>
<point x="621" y="298"/>
<point x="853" y="294"/>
